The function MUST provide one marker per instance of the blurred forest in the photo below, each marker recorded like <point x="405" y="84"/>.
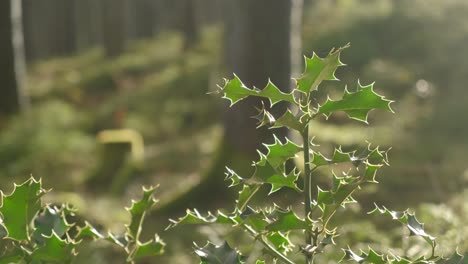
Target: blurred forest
<point x="99" y="97"/>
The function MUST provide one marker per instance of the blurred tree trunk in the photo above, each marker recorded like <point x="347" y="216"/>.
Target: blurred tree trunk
<point x="87" y="15"/>
<point x="258" y="42"/>
<point x="12" y="65"/>
<point x="258" y="47"/>
<point x="188" y="23"/>
<point x="142" y="19"/>
<point x="49" y="27"/>
<point x="114" y="21"/>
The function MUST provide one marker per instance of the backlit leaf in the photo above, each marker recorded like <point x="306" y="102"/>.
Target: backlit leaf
<point x="358" y="104"/>
<point x="153" y="247"/>
<point x="234" y="90"/>
<point x="20" y="207"/>
<point x="318" y="70"/>
<point x="138" y="210"/>
<point x="223" y="254"/>
<point x="54" y="249"/>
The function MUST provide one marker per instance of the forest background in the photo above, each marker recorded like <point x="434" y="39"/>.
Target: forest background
<point x="101" y="97"/>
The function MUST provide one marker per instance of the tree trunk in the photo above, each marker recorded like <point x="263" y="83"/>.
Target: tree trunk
<point x="12" y="65"/>
<point x="188" y="24"/>
<point x="49" y="28"/>
<point x="258" y="47"/>
<point x="258" y="44"/>
<point x="142" y="19"/>
<point x="114" y="26"/>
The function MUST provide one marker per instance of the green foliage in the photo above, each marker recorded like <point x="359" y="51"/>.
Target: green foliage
<point x="35" y="233"/>
<point x="273" y="225"/>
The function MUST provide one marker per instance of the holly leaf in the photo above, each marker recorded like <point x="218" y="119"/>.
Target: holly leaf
<point x="223" y="254"/>
<point x="339" y="196"/>
<point x="88" y="231"/>
<point x="54" y="249"/>
<point x="278" y="153"/>
<point x="318" y="159"/>
<point x="245" y="195"/>
<point x="232" y="176"/>
<point x="153" y="247"/>
<point x="286" y="221"/>
<point x="358" y="104"/>
<point x="454" y="259"/>
<point x="319" y="69"/>
<point x="365" y="257"/>
<point x="20" y="207"/>
<point x="290" y="121"/>
<point x="120" y="241"/>
<point x="275" y="177"/>
<point x="138" y="211"/>
<point x="234" y="90"/>
<point x="194" y="217"/>
<point x="409" y="219"/>
<point x="280" y="241"/>
<point x="51" y="220"/>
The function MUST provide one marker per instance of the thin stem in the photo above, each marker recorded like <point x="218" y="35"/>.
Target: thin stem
<point x="307" y="187"/>
<point x="254" y="191"/>
<point x="269" y="247"/>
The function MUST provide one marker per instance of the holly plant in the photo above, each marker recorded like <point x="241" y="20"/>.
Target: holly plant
<point x="31" y="232"/>
<point x="273" y="225"/>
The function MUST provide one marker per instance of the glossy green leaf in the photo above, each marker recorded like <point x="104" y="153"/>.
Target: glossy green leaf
<point x="54" y="249"/>
<point x="194" y="217"/>
<point x="287" y="221"/>
<point x="233" y="177"/>
<point x="290" y="121"/>
<point x="223" y="254"/>
<point x="280" y="241"/>
<point x="245" y="195"/>
<point x="20" y="207"/>
<point x="339" y="196"/>
<point x="234" y="90"/>
<point x="153" y="247"/>
<point x="278" y="153"/>
<point x="365" y="257"/>
<point x="339" y="156"/>
<point x="120" y="241"/>
<point x="138" y="210"/>
<point x="454" y="259"/>
<point x="358" y="104"/>
<point x="319" y="69"/>
<point x="88" y="231"/>
<point x="409" y="219"/>
<point x="51" y="219"/>
<point x="275" y="177"/>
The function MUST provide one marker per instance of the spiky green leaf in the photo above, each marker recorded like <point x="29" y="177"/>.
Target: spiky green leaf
<point x="275" y="177"/>
<point x="319" y="69"/>
<point x="356" y="104"/>
<point x="52" y="219"/>
<point x="88" y="231"/>
<point x="278" y="153"/>
<point x="234" y="90"/>
<point x="223" y="254"/>
<point x="365" y="257"/>
<point x="194" y="217"/>
<point x="290" y="121"/>
<point x="54" y="250"/>
<point x="409" y="220"/>
<point x="138" y="211"/>
<point x="286" y="221"/>
<point x="20" y="207"/>
<point x="153" y="247"/>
